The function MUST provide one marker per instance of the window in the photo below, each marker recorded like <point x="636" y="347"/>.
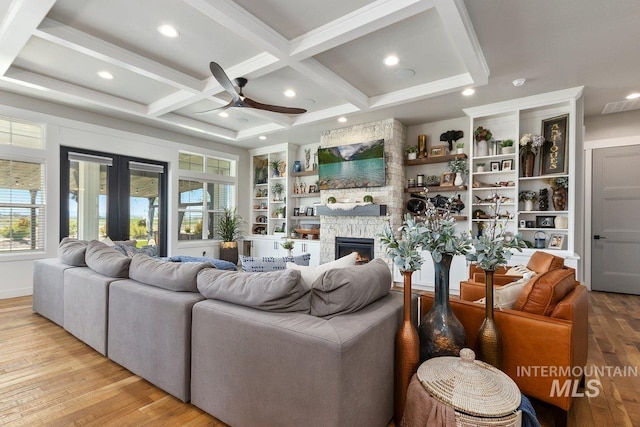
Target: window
<point x="20" y="133"/>
<point x="22" y="206"/>
<point x="206" y="188"/>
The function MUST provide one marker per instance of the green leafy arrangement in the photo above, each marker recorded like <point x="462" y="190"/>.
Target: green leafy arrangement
<point x="458" y="166"/>
<point x="494" y="247"/>
<point x="230" y="226"/>
<point x="287" y="244"/>
<point x="528" y="195"/>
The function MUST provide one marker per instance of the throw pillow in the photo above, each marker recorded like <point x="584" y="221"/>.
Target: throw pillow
<point x="310" y="274"/>
<point x="349" y="289"/>
<point x="107" y="241"/>
<point x="277" y="291"/>
<point x="106" y="260"/>
<point x="519" y="270"/>
<point x="72" y="252"/>
<point x="256" y="264"/>
<point x="507" y="295"/>
<point x="174" y="276"/>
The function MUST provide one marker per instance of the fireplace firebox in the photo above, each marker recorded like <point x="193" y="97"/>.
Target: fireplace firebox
<point x="347" y="245"/>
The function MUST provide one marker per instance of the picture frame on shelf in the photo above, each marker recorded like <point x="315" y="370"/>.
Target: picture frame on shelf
<point x="296" y="211"/>
<point x="507" y="165"/>
<point x="494" y="166"/>
<point x="309" y="212"/>
<point x="437" y="151"/>
<point x="523" y="223"/>
<point x="446" y="179"/>
<point x="530" y="224"/>
<point x="556" y="241"/>
<point x="553" y="153"/>
<point x="545" y="221"/>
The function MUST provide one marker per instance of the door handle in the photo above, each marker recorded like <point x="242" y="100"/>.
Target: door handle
<point x="598" y="237"/>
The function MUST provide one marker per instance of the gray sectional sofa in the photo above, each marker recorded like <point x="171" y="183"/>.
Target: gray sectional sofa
<point x="252" y="349"/>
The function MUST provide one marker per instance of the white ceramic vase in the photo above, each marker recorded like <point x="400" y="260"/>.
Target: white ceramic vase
<point x="528" y="205"/>
<point x="482" y="148"/>
<point x="458" y="181"/>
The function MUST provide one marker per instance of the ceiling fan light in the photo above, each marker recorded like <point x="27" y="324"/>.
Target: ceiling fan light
<point x="342" y="119"/>
<point x="391" y="60"/>
<point x="168" y="30"/>
<point x="469" y="91"/>
<point x="289" y="93"/>
<point x="105" y="75"/>
<point x="634" y="95"/>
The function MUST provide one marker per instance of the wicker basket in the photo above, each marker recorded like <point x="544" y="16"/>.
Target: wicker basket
<point x="480" y="394"/>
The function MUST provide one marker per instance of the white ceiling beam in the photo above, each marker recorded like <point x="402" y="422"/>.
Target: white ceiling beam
<point x="70" y="38"/>
<point x="455" y="18"/>
<point x="356" y="24"/>
<point x="418" y="92"/>
<point x="259" y="130"/>
<point x="21" y="19"/>
<point x="327" y="113"/>
<point x="197" y="126"/>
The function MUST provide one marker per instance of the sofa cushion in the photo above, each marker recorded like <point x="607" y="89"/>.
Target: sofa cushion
<point x="256" y="264"/>
<point x="541" y="262"/>
<point x="278" y="291"/>
<point x="349" y="289"/>
<point x="72" y="252"/>
<point x="507" y="295"/>
<point x="173" y="276"/>
<point x="542" y="293"/>
<point x="220" y="264"/>
<point x="310" y="274"/>
<point x="106" y="260"/>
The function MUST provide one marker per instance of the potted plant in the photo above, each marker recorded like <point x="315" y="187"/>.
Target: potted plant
<point x="288" y="245"/>
<point x="460" y="147"/>
<point x="492" y="249"/>
<point x="480" y="167"/>
<point x="482" y="137"/>
<point x="507" y="146"/>
<point x="279" y="212"/>
<point x="277" y="191"/>
<point x="230" y="226"/>
<point x="275" y="167"/>
<point x="529" y="197"/>
<point x="412" y="152"/>
<point x="459" y="167"/>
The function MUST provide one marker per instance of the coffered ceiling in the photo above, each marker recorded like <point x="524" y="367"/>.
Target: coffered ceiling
<point x="329" y="52"/>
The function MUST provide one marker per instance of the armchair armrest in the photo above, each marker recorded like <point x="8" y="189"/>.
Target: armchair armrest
<point x="473" y="290"/>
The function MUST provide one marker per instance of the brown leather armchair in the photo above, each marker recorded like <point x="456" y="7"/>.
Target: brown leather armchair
<point x="534" y="344"/>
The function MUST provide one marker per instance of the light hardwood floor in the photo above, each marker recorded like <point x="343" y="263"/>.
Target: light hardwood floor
<point x="48" y="377"/>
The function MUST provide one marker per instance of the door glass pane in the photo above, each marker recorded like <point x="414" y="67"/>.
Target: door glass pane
<point x="144" y="207"/>
<point x="88" y="193"/>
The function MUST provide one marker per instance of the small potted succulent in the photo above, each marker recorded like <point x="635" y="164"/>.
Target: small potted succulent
<point x="288" y="245"/>
<point x="507" y="146"/>
<point x="480" y="167"/>
<point x="279" y="212"/>
<point x="412" y="152"/>
<point x="460" y="147"/>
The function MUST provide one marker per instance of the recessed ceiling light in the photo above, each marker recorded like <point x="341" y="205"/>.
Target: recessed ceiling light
<point x="634" y="95"/>
<point x="519" y="82"/>
<point x="469" y="91"/>
<point x="391" y="60"/>
<point x="105" y="75"/>
<point x="342" y="119"/>
<point x="289" y="93"/>
<point x="262" y="137"/>
<point x="223" y="114"/>
<point x="168" y="31"/>
<point x="406" y="73"/>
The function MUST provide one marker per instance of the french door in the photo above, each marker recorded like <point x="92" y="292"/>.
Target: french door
<point x="110" y="195"/>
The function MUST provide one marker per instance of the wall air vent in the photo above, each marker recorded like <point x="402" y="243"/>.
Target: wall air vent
<point x="618" y="107"/>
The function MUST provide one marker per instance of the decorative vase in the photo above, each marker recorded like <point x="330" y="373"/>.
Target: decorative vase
<point x="289" y="252"/>
<point x="489" y="340"/>
<point x="559" y="199"/>
<point x="480" y="168"/>
<point x="528" y="160"/>
<point x="297" y="166"/>
<point x="482" y="148"/>
<point x="440" y="331"/>
<point x="458" y="181"/>
<point x="422" y="146"/>
<point x="275" y="173"/>
<point x="406" y="353"/>
<point x="528" y="205"/>
<point x="508" y="150"/>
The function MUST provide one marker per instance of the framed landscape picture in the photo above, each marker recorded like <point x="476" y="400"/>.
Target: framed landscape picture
<point x="554" y="156"/>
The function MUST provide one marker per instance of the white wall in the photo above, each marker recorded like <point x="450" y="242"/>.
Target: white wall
<point x="101" y="133"/>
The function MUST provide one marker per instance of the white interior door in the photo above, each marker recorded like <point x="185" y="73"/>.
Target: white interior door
<point x="615" y="243"/>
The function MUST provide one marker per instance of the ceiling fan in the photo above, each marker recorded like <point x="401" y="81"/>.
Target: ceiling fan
<point x="237" y="97"/>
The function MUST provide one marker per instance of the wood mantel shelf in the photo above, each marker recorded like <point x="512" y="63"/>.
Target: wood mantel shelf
<point x="362" y="210"/>
<point x="435" y="159"/>
<point x="436" y="188"/>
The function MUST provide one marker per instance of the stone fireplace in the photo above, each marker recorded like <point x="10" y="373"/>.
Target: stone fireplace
<point x="363" y="247"/>
<point x="392" y="194"/>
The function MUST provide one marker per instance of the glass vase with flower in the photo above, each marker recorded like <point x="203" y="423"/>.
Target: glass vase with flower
<point x="529" y="146"/>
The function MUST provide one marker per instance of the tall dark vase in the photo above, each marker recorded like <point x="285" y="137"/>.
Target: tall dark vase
<point x="406" y="353"/>
<point x="489" y="341"/>
<point x="559" y="199"/>
<point x="528" y="161"/>
<point x="440" y="331"/>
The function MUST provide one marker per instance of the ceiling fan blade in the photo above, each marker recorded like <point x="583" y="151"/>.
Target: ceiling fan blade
<point x="223" y="79"/>
<point x="276" y="108"/>
<point x="224" y="107"/>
